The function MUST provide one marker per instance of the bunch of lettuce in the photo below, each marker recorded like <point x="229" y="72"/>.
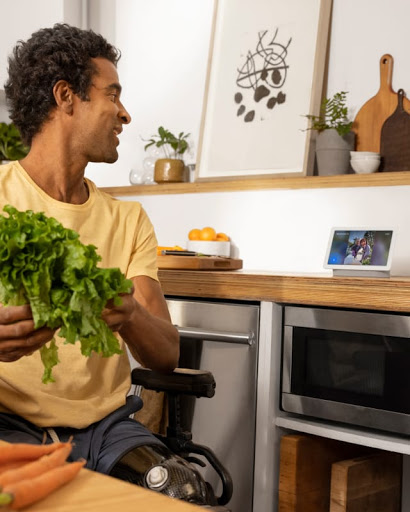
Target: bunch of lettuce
<point x="44" y="264"/>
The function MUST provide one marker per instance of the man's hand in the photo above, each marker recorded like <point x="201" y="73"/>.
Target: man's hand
<point x="115" y="316"/>
<point x="18" y="337"/>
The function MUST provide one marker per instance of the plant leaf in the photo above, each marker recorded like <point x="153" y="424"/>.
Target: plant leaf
<point x="44" y="264"/>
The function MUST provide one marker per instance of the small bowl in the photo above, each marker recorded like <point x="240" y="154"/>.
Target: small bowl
<point x="362" y="154"/>
<point x="366" y="159"/>
<point x="210" y="248"/>
<point x="365" y="166"/>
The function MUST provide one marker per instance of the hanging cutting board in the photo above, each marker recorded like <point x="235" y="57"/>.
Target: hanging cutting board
<point x="395" y="139"/>
<point x="198" y="263"/>
<point x="369" y="120"/>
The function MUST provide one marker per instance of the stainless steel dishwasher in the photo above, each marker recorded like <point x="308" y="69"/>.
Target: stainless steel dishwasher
<point x="222" y="337"/>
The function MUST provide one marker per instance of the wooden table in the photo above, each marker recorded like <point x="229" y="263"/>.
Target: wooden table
<point x="94" y="492"/>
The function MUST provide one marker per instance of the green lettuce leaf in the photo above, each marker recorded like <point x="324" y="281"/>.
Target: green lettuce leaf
<point x="44" y="264"/>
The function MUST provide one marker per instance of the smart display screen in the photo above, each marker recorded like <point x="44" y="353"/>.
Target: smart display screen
<point x="360" y="248"/>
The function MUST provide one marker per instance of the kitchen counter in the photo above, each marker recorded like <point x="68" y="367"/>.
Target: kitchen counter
<point x="387" y="294"/>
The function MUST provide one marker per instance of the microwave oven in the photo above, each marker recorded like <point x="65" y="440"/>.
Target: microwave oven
<point x="347" y="366"/>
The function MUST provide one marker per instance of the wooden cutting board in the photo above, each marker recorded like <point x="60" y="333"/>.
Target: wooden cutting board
<point x="198" y="263"/>
<point x="369" y="120"/>
<point x="395" y="139"/>
<point x="305" y="470"/>
<point x="367" y="483"/>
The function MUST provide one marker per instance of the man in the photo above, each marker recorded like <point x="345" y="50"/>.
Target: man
<point x="64" y="95"/>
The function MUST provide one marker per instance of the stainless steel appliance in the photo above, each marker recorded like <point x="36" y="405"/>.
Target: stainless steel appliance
<point x="347" y="366"/>
<point x="222" y="337"/>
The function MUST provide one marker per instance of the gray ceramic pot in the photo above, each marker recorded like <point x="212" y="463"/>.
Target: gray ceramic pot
<point x="333" y="152"/>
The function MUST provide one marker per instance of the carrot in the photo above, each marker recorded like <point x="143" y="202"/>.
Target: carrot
<point x="21" y="451"/>
<point x="36" y="467"/>
<point x="26" y="492"/>
<point x="12" y="465"/>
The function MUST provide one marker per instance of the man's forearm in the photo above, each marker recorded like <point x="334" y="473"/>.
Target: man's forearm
<point x="153" y="341"/>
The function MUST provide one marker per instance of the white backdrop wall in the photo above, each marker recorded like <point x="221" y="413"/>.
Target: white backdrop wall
<point x="275" y="230"/>
<point x="165" y="48"/>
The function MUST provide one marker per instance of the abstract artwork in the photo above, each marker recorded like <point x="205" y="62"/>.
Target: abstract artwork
<point x="262" y="77"/>
<point x="266" y="68"/>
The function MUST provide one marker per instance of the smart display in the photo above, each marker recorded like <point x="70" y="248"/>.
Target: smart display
<point x="360" y="249"/>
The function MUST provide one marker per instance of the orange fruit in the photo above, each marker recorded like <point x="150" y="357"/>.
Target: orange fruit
<point x="208" y="234"/>
<point x="222" y="237"/>
<point x="194" y="234"/>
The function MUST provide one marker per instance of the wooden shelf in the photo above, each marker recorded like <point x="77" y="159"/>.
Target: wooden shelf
<point x="298" y="182"/>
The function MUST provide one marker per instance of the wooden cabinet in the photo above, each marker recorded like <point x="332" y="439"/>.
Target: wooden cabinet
<point x="272" y="291"/>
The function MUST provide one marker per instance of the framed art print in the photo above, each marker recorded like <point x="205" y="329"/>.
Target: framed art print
<point x="265" y="73"/>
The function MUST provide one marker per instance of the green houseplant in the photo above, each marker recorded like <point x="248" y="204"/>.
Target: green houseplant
<point x="335" y="138"/>
<point x="171" y="168"/>
<point x="11" y="144"/>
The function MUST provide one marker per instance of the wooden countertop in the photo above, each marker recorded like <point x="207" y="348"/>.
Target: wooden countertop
<point x="94" y="492"/>
<point x="388" y="294"/>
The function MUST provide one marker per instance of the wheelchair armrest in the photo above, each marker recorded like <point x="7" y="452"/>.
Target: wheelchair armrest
<point x="181" y="381"/>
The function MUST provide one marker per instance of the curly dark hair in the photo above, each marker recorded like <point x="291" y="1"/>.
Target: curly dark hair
<point x="62" y="52"/>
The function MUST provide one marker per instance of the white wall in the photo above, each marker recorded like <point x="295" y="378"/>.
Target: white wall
<point x="23" y="17"/>
<point x="164" y="45"/>
<point x="284" y="230"/>
<point x="275" y="230"/>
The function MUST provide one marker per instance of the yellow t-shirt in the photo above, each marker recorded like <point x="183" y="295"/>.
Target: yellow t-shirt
<point x="86" y="388"/>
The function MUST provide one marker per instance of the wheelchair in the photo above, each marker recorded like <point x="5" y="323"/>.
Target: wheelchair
<point x="170" y="480"/>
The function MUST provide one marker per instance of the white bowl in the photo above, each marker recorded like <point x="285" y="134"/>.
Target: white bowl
<point x="366" y="159"/>
<point x="361" y="154"/>
<point x="363" y="166"/>
<point x="210" y="248"/>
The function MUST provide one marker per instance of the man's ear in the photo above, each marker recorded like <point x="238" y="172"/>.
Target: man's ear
<point x="64" y="96"/>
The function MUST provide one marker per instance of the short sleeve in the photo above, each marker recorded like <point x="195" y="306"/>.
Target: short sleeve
<point x="143" y="259"/>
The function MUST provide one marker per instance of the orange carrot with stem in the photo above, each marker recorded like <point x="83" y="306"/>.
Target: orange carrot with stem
<point x="36" y="467"/>
<point x="26" y="492"/>
<point x="21" y="451"/>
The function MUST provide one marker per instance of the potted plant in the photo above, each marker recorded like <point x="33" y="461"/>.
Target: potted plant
<point x="11" y="144"/>
<point x="335" y="138"/>
<point x="171" y="168"/>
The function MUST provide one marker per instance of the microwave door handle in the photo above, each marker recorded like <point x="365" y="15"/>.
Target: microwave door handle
<point x="213" y="335"/>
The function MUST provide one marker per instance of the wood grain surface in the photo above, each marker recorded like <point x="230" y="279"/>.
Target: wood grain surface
<point x="369" y="120"/>
<point x="388" y="294"/>
<point x="198" y="263"/>
<point x="395" y="139"/>
<point x="305" y="471"/>
<point x="293" y="183"/>
<point x="93" y="492"/>
<point x="370" y="483"/>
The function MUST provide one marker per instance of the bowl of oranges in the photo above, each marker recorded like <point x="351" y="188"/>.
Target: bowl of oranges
<point x="208" y="242"/>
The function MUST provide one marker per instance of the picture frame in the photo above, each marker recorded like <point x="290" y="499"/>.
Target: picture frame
<point x="265" y="74"/>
